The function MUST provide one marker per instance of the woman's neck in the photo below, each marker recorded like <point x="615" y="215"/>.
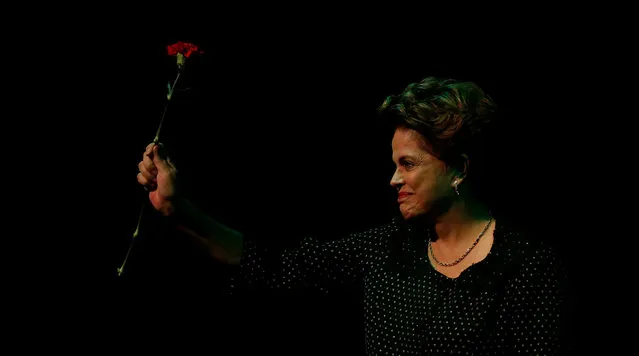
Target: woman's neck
<point x="461" y="223"/>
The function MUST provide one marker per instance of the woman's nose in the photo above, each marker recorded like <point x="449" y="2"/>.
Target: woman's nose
<point x="396" y="179"/>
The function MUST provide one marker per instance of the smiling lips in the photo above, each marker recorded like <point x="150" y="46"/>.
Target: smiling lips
<point x="402" y="196"/>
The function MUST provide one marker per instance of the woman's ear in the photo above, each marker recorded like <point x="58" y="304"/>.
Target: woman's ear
<point x="461" y="169"/>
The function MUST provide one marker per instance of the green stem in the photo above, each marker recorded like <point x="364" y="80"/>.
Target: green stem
<point x="135" y="234"/>
<point x="156" y="140"/>
<point x="168" y="97"/>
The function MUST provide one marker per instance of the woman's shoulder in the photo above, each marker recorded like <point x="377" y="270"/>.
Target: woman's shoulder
<point x="520" y="243"/>
<point x="380" y="230"/>
<point x="531" y="260"/>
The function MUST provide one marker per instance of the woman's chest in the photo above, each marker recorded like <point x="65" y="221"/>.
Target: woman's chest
<point x="426" y="311"/>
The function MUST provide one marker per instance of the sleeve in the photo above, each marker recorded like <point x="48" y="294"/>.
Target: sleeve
<point x="311" y="263"/>
<point x="536" y="308"/>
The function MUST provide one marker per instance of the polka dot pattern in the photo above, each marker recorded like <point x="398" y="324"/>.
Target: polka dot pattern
<point x="512" y="302"/>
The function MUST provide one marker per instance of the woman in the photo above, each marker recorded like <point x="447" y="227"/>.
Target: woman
<point x="448" y="276"/>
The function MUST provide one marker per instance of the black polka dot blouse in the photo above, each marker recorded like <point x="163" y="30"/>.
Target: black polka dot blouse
<point x="512" y="302"/>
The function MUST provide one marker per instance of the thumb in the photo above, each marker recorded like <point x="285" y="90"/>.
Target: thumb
<point x="159" y="158"/>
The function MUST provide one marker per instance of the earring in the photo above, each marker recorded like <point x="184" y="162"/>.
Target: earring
<point x="455" y="184"/>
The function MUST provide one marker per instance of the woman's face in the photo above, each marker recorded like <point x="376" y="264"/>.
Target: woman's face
<point x="420" y="178"/>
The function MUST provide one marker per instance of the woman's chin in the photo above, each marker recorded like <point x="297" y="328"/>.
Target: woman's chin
<point x="410" y="214"/>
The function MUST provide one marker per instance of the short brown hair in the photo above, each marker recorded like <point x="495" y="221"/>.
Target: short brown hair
<point x="451" y="115"/>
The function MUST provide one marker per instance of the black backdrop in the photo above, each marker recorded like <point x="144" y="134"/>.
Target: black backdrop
<point x="273" y="138"/>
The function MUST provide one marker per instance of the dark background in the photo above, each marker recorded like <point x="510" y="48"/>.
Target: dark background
<point x="273" y="138"/>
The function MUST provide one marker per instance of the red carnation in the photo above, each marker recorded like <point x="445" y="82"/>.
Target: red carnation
<point x="185" y="48"/>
